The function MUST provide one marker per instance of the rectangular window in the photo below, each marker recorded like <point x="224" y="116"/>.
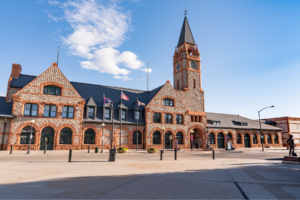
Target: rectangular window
<point x="244" y="124"/>
<point x="49" y="111"/>
<point x="168" y="118"/>
<point x="107" y="113"/>
<point x="179" y="119"/>
<point x="156" y="118"/>
<point x="137" y="115"/>
<point x="30" y="109"/>
<point x="123" y="114"/>
<point x="199" y="118"/>
<point x="67" y="112"/>
<point x="216" y="123"/>
<point x="91" y="112"/>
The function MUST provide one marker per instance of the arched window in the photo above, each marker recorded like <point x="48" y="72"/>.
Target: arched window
<point x="229" y="137"/>
<point x="89" y="136"/>
<point x="238" y="138"/>
<point x="275" y="139"/>
<point x="262" y="139"/>
<point x="51" y="90"/>
<point x="269" y="139"/>
<point x="254" y="138"/>
<point x="211" y="138"/>
<point x="65" y="136"/>
<point x="168" y="102"/>
<point x="179" y="137"/>
<point x="25" y="135"/>
<point x="137" y="136"/>
<point x="168" y="118"/>
<point x="156" y="137"/>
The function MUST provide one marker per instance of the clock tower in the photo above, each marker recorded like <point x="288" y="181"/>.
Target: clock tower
<point x="186" y="61"/>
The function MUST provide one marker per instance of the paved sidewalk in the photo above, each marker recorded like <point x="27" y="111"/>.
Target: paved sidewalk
<point x="253" y="175"/>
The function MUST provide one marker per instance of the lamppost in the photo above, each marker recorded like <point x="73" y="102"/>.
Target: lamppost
<point x="32" y="122"/>
<point x="163" y="129"/>
<point x="192" y="139"/>
<point x="102" y="136"/>
<point x="261" y="135"/>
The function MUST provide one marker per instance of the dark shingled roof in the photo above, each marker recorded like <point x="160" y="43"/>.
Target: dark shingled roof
<point x="186" y="34"/>
<point x="87" y="91"/>
<point x="229" y="121"/>
<point x="5" y="108"/>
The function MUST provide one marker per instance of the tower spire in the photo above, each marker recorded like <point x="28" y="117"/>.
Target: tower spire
<point x="186" y="33"/>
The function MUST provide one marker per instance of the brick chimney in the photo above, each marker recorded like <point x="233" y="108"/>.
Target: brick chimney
<point x="16" y="70"/>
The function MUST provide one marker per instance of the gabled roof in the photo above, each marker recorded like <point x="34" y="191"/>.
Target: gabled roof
<point x="228" y="121"/>
<point x="5" y="108"/>
<point x="87" y="91"/>
<point x="186" y="34"/>
<point x="91" y="102"/>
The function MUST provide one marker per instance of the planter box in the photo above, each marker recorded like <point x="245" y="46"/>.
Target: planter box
<point x="151" y="151"/>
<point x="122" y="151"/>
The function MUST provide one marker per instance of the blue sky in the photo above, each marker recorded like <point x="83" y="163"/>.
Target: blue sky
<point x="249" y="49"/>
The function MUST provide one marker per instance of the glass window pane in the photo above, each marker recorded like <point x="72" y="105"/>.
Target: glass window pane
<point x="69" y="140"/>
<point x="107" y="113"/>
<point x="137" y="115"/>
<point x="164" y="102"/>
<point x="53" y="111"/>
<point x="71" y="115"/>
<point x="71" y="109"/>
<point x="171" y="103"/>
<point x="123" y="113"/>
<point x="23" y="139"/>
<point x="58" y="91"/>
<point x="34" y="110"/>
<point x="46" y="110"/>
<point x="61" y="140"/>
<point x="51" y="91"/>
<point x="158" y="117"/>
<point x="45" y="91"/>
<point x="91" y="112"/>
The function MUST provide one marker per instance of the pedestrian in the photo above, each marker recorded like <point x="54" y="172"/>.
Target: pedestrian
<point x="290" y="142"/>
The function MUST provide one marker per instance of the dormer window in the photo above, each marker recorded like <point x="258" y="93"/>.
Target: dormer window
<point x="107" y="113"/>
<point x="240" y="123"/>
<point x="91" y="112"/>
<point x="123" y="114"/>
<point x="244" y="124"/>
<point x="52" y="90"/>
<point x="136" y="115"/>
<point x="168" y="102"/>
<point x="216" y="123"/>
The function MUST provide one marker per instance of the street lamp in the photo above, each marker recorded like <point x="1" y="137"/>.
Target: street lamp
<point x="163" y="129"/>
<point x="32" y="122"/>
<point x="102" y="136"/>
<point x="192" y="138"/>
<point x="261" y="135"/>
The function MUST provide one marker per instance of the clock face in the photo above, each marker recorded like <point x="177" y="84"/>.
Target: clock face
<point x="177" y="66"/>
<point x="193" y="65"/>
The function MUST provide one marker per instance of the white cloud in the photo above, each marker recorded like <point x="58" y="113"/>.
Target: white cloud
<point x="145" y="70"/>
<point x="124" y="78"/>
<point x="53" y="2"/>
<point x="97" y="30"/>
<point x="56" y="19"/>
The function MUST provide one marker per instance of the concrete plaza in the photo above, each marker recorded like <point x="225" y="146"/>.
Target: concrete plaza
<point x="239" y="174"/>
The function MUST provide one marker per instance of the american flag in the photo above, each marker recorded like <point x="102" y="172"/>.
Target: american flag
<point x="140" y="103"/>
<point x="123" y="96"/>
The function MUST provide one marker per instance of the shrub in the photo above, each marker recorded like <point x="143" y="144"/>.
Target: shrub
<point x="151" y="149"/>
<point x="123" y="148"/>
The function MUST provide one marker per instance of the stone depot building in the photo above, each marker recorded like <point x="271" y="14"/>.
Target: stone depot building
<point x="72" y="115"/>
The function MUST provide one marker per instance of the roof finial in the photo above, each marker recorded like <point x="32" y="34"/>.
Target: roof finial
<point x="185" y="12"/>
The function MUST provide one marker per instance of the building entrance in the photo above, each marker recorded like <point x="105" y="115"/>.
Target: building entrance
<point x="47" y="138"/>
<point x="247" y="140"/>
<point x="220" y="140"/>
<point x="168" y="141"/>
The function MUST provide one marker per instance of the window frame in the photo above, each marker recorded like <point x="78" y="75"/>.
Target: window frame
<point x="109" y="113"/>
<point x="156" y="138"/>
<point x="89" y="136"/>
<point x="30" y="110"/>
<point x="91" y="107"/>
<point x="65" y="136"/>
<point x="27" y="135"/>
<point x="50" y="107"/>
<point x="68" y="112"/>
<point x="238" y="136"/>
<point x="179" y="137"/>
<point x="123" y="110"/>
<point x="139" y="137"/>
<point x="167" y="117"/>
<point x="168" y="102"/>
<point x="178" y="119"/>
<point x="155" y="118"/>
<point x="48" y="87"/>
<point x="135" y="114"/>
<point x="211" y="139"/>
<point x="254" y="138"/>
<point x="216" y="122"/>
<point x="276" y="141"/>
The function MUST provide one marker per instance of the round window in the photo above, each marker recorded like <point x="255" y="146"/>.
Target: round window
<point x="193" y="65"/>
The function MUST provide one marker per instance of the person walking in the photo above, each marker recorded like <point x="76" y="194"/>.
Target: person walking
<point x="290" y="142"/>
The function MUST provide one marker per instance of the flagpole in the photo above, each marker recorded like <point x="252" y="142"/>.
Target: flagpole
<point x="137" y="122"/>
<point x="121" y="116"/>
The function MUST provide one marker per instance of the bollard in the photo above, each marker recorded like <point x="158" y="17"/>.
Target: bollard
<point x="89" y="148"/>
<point x="175" y="154"/>
<point x="161" y="154"/>
<point x="45" y="149"/>
<point x="213" y="154"/>
<point x="70" y="155"/>
<point x="11" y="149"/>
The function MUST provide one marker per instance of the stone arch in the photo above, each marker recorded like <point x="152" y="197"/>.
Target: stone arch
<point x="19" y="129"/>
<point x="95" y="129"/>
<point x="48" y="125"/>
<point x="161" y="135"/>
<point x="232" y="135"/>
<point x="257" y="138"/>
<point x="277" y="134"/>
<point x="242" y="137"/>
<point x="202" y="133"/>
<point x="184" y="135"/>
<point x="73" y="132"/>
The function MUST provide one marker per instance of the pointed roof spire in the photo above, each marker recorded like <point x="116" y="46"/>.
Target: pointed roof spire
<point x="186" y="34"/>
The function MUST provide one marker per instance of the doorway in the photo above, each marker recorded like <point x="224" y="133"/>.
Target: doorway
<point x="168" y="142"/>
<point x="220" y="137"/>
<point x="247" y="140"/>
<point x="47" y="138"/>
